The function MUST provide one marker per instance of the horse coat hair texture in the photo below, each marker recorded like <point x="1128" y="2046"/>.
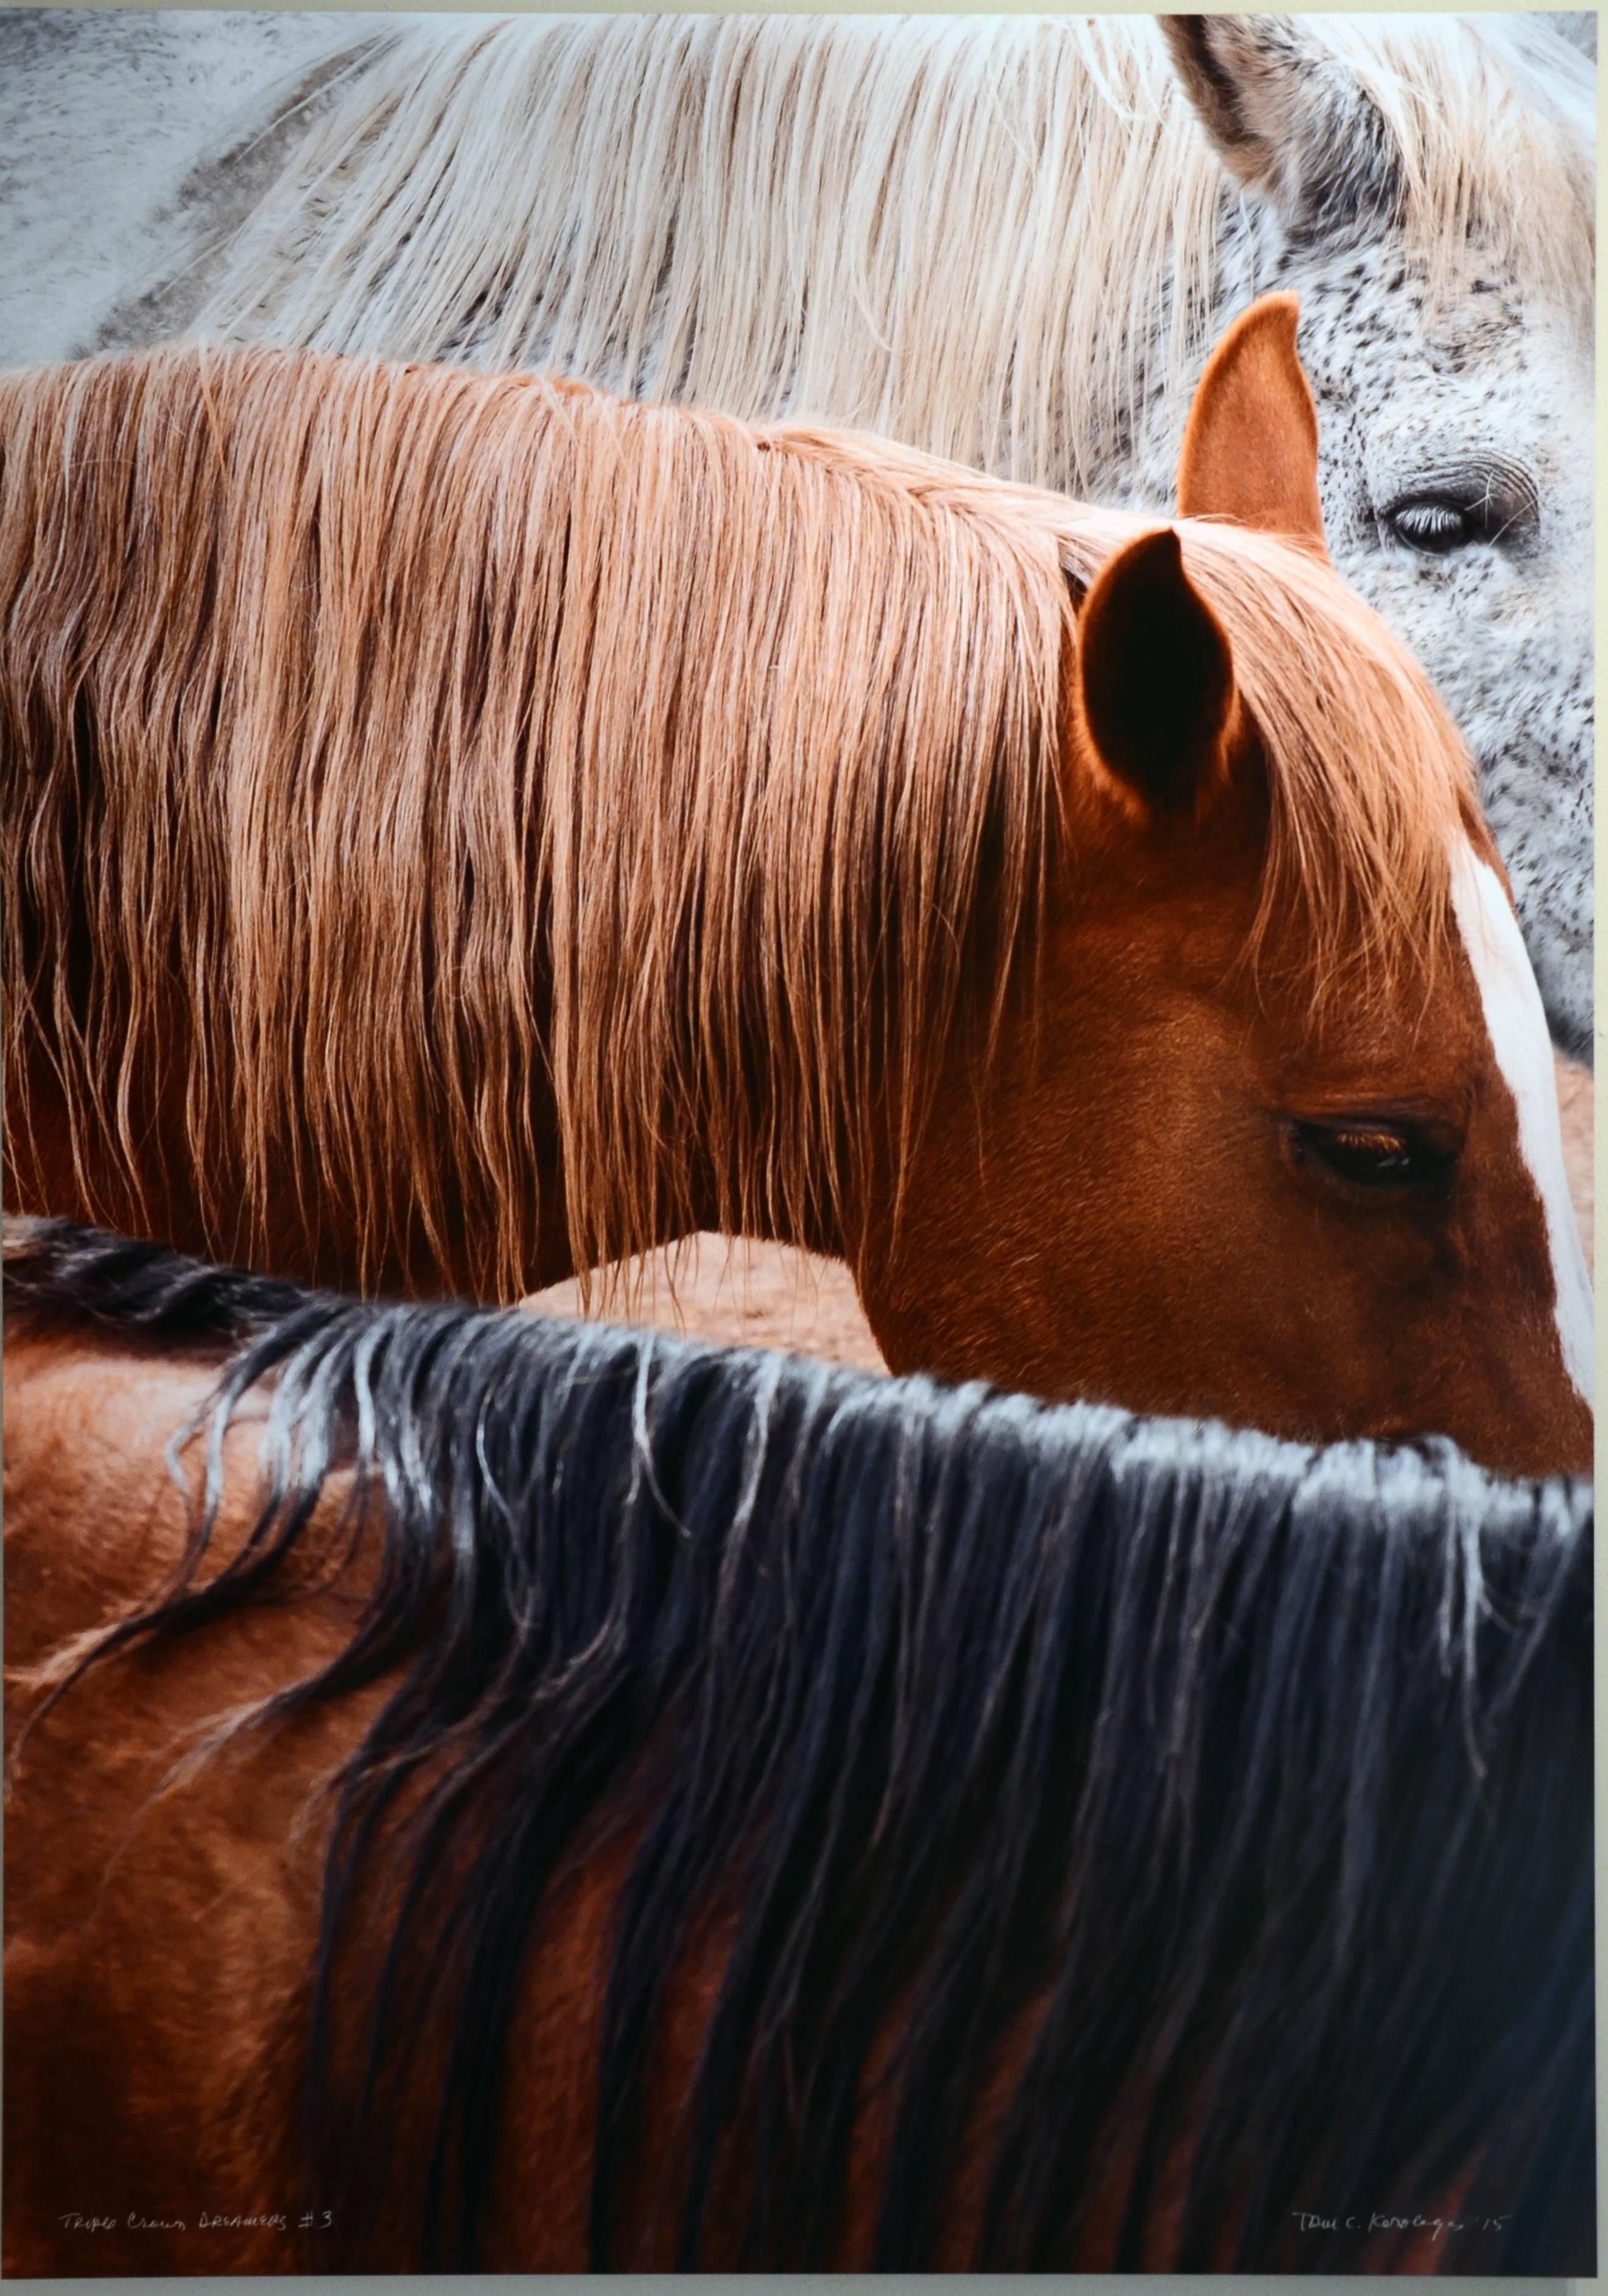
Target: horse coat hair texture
<point x="1255" y="1779"/>
<point x="418" y="750"/>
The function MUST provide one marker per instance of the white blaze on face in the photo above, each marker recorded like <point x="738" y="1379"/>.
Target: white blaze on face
<point x="1523" y="1052"/>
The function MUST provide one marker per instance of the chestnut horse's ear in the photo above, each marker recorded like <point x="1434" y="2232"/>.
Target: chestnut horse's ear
<point x="1156" y="677"/>
<point x="1251" y="443"/>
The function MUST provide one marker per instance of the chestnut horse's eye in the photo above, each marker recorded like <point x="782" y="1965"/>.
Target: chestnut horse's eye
<point x="1391" y="1156"/>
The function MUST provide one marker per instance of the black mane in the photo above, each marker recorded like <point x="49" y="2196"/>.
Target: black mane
<point x="1266" y="1770"/>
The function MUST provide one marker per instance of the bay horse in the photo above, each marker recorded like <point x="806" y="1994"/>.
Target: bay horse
<point x="1010" y="241"/>
<point x="507" y="1794"/>
<point x="460" y="831"/>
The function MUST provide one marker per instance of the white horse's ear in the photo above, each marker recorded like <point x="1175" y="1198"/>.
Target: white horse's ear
<point x="1286" y="117"/>
<point x="1251" y="443"/>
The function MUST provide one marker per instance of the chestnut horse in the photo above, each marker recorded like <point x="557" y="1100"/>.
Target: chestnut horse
<point x="462" y="829"/>
<point x="565" y="1797"/>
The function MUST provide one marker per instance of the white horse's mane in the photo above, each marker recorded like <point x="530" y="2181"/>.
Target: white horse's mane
<point x="685" y="206"/>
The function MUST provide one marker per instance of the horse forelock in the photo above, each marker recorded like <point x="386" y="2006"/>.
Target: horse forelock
<point x="1493" y="121"/>
<point x="1219" y="1759"/>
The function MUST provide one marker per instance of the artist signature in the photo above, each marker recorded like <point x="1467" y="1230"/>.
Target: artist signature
<point x="1377" y="2220"/>
<point x="207" y="2220"/>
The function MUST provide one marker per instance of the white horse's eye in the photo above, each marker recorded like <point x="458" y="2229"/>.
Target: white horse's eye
<point x="1433" y="525"/>
<point x="1488" y="500"/>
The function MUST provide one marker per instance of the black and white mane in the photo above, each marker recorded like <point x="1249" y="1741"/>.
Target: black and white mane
<point x="1259" y="1775"/>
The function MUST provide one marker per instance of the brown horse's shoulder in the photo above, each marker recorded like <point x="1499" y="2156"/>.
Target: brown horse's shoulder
<point x="94" y="1518"/>
<point x="185" y="2031"/>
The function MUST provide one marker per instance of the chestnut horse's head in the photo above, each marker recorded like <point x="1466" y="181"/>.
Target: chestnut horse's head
<point x="1279" y="1140"/>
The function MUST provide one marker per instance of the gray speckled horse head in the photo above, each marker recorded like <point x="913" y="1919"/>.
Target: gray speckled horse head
<point x="1454" y="390"/>
<point x="1007" y="240"/>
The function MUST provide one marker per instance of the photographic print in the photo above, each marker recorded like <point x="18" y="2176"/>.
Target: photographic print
<point x="798" y="846"/>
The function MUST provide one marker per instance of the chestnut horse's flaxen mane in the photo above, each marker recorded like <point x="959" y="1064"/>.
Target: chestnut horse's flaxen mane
<point x="385" y="748"/>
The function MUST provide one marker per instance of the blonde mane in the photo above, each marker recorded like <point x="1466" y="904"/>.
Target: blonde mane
<point x="992" y="237"/>
<point x="413" y="747"/>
